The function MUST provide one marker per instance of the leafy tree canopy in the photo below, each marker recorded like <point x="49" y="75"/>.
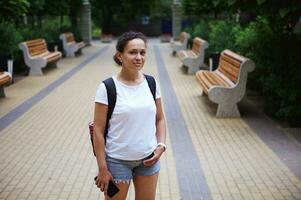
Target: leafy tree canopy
<point x="124" y="12"/>
<point x="13" y="8"/>
<point x="282" y="14"/>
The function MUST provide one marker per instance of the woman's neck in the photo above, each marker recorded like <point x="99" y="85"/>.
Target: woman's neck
<point x="130" y="78"/>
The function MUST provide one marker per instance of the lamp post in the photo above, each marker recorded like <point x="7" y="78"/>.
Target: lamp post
<point x="176" y="19"/>
<point x="86" y="22"/>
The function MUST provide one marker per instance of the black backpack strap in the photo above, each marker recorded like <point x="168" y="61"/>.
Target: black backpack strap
<point x="111" y="93"/>
<point x="151" y="84"/>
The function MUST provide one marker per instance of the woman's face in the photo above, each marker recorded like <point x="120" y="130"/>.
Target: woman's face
<point x="133" y="56"/>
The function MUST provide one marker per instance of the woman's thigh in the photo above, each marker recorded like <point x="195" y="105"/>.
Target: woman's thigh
<point x="145" y="186"/>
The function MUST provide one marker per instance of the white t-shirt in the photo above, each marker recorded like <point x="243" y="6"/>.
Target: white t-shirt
<point x="132" y="127"/>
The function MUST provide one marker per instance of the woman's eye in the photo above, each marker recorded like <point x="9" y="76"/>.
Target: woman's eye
<point x="143" y="53"/>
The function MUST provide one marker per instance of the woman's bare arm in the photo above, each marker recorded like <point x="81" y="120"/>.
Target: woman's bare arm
<point x="160" y="123"/>
<point x="160" y="134"/>
<point x="100" y="117"/>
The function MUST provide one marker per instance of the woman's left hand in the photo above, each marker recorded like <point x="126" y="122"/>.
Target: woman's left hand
<point x="157" y="154"/>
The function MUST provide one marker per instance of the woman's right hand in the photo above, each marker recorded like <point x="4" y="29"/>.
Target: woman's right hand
<point x="103" y="178"/>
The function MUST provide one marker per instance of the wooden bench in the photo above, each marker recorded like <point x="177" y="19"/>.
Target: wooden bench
<point x="5" y="78"/>
<point x="70" y="45"/>
<point x="194" y="59"/>
<point x="37" y="56"/>
<point x="181" y="44"/>
<point x="226" y="85"/>
<point x="165" y="37"/>
<point x="106" y="38"/>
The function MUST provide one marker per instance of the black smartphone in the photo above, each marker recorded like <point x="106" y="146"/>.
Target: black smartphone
<point x="150" y="156"/>
<point x="112" y="188"/>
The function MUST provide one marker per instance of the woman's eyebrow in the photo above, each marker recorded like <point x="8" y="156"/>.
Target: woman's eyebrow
<point x="137" y="49"/>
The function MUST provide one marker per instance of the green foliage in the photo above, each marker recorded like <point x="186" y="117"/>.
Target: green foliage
<point x="202" y="30"/>
<point x="161" y="8"/>
<point x="276" y="54"/>
<point x="57" y="7"/>
<point x="278" y="74"/>
<point x="9" y="37"/>
<point x="199" y="7"/>
<point x="35" y="6"/>
<point x="282" y="15"/>
<point x="46" y="19"/>
<point x="96" y="31"/>
<point x="221" y="35"/>
<point x="13" y="8"/>
<point x="110" y="13"/>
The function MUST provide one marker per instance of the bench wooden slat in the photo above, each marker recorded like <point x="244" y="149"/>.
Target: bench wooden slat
<point x="184" y="54"/>
<point x="37" y="51"/>
<point x="182" y="37"/>
<point x="4" y="78"/>
<point x="231" y="60"/>
<point x="209" y="79"/>
<point x="31" y="43"/>
<point x="69" y="37"/>
<point x="224" y="71"/>
<point x="203" y="81"/>
<point x="36" y="47"/>
<point x="53" y="56"/>
<point x="215" y="79"/>
<point x="196" y="45"/>
<point x="229" y="70"/>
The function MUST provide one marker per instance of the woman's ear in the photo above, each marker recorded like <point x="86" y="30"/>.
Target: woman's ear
<point x="119" y="56"/>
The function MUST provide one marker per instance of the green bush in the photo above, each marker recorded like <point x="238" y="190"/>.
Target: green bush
<point x="201" y="30"/>
<point x="9" y="38"/>
<point x="278" y="74"/>
<point x="221" y="35"/>
<point x="96" y="31"/>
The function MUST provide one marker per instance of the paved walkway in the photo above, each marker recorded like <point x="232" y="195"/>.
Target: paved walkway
<point x="45" y="151"/>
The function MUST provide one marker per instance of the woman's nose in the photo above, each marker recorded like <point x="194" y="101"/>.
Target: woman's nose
<point x="138" y="56"/>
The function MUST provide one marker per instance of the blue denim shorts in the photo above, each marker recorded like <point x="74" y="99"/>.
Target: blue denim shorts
<point x="124" y="171"/>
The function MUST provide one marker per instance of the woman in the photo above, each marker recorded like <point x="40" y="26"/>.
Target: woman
<point x="136" y="128"/>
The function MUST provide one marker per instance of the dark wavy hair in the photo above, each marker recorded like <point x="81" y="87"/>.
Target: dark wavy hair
<point x="124" y="39"/>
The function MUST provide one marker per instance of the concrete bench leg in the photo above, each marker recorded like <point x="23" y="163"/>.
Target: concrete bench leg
<point x="227" y="110"/>
<point x="192" y="70"/>
<point x="35" y="71"/>
<point x="71" y="54"/>
<point x="2" y="93"/>
<point x="52" y="64"/>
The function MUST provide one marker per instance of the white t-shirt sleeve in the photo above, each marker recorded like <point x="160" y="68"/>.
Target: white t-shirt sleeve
<point x="101" y="94"/>
<point x="158" y="90"/>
